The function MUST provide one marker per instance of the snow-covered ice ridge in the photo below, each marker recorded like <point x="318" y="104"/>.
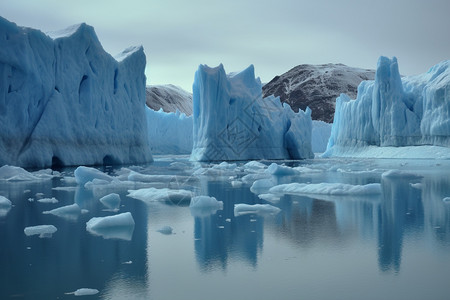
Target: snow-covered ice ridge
<point x="65" y="101"/>
<point x="394" y="111"/>
<point x="233" y="122"/>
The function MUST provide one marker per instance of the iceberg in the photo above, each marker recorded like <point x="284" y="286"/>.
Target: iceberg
<point x="231" y="120"/>
<point x="258" y="209"/>
<point x="334" y="189"/>
<point x="169" y="133"/>
<point x="394" y="111"/>
<point x="65" y="101"/>
<point x="111" y="201"/>
<point x="5" y="206"/>
<point x="119" y="226"/>
<point x="44" y="231"/>
<point x="69" y="212"/>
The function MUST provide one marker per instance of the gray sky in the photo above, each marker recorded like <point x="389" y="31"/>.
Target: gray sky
<point x="275" y="36"/>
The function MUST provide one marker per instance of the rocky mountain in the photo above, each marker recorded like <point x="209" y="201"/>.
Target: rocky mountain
<point x="317" y="86"/>
<point x="169" y="97"/>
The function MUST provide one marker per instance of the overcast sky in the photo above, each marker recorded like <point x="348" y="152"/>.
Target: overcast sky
<point x="275" y="36"/>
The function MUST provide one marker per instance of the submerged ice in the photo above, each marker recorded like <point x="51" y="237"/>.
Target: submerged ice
<point x="394" y="110"/>
<point x="65" y="101"/>
<point x="233" y="122"/>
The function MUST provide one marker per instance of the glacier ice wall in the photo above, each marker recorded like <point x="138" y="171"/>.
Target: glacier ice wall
<point x="65" y="101"/>
<point x="233" y="122"/>
<point x="169" y="133"/>
<point x="394" y="111"/>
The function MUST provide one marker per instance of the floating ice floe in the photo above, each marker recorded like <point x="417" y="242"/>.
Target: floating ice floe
<point x="119" y="226"/>
<point x="5" y="206"/>
<point x="201" y="206"/>
<point x="254" y="167"/>
<point x="400" y="174"/>
<point x="269" y="197"/>
<point x="261" y="186"/>
<point x="84" y="292"/>
<point x="12" y="173"/>
<point x="154" y="194"/>
<point x="259" y="209"/>
<point x="165" y="230"/>
<point x="446" y="200"/>
<point x="279" y="170"/>
<point x="335" y="189"/>
<point x="52" y="200"/>
<point x="44" y="231"/>
<point x="70" y="212"/>
<point x="111" y="201"/>
<point x="87" y="174"/>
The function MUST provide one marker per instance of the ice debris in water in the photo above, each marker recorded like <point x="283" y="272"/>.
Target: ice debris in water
<point x="165" y="230"/>
<point x="12" y="173"/>
<point x="400" y="174"/>
<point x="86" y="174"/>
<point x="119" y="226"/>
<point x="259" y="209"/>
<point x="278" y="170"/>
<point x="84" y="292"/>
<point x="203" y="206"/>
<point x="111" y="201"/>
<point x="154" y="194"/>
<point x="70" y="212"/>
<point x="269" y="197"/>
<point x="326" y="189"/>
<point x="52" y="200"/>
<point x="262" y="185"/>
<point x="44" y="231"/>
<point x="5" y="206"/>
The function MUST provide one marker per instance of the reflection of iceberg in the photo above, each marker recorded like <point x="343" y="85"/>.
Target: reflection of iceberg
<point x="120" y="226"/>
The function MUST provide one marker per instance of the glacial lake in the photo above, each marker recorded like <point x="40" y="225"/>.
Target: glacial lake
<point x="394" y="245"/>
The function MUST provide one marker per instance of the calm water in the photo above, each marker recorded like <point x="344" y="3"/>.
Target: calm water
<point x="392" y="246"/>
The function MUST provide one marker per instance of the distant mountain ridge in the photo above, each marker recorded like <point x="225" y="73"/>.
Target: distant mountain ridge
<point x="317" y="86"/>
<point x="168" y="97"/>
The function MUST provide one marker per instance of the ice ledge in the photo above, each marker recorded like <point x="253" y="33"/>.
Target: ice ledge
<point x="407" y="152"/>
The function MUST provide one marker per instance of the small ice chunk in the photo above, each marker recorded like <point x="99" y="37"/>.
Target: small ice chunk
<point x="39" y="195"/>
<point x="250" y="178"/>
<point x="400" y="174"/>
<point x="119" y="226"/>
<point x="48" y="200"/>
<point x="44" y="231"/>
<point x="278" y="170"/>
<point x="84" y="292"/>
<point x="262" y="185"/>
<point x="165" y="230"/>
<point x="236" y="183"/>
<point x="327" y="189"/>
<point x="205" y="201"/>
<point x="417" y="185"/>
<point x="68" y="212"/>
<point x="135" y="176"/>
<point x="12" y="173"/>
<point x="86" y="174"/>
<point x="203" y="206"/>
<point x="254" y="167"/>
<point x="225" y="166"/>
<point x="446" y="199"/>
<point x="259" y="209"/>
<point x="5" y="206"/>
<point x="154" y="194"/>
<point x="111" y="201"/>
<point x="269" y="197"/>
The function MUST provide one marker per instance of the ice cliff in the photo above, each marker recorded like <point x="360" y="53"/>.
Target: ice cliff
<point x="65" y="101"/>
<point x="233" y="122"/>
<point x="394" y="111"/>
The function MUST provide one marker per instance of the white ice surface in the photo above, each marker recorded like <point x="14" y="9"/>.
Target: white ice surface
<point x="335" y="189"/>
<point x="259" y="209"/>
<point x="153" y="194"/>
<point x="111" y="201"/>
<point x="70" y="212"/>
<point x="5" y="206"/>
<point x="44" y="231"/>
<point x="119" y="226"/>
